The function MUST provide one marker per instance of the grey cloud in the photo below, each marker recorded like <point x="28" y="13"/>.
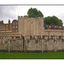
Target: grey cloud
<point x="7" y="12"/>
<point x="61" y="16"/>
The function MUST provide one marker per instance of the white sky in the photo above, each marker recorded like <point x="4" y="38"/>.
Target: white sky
<point x="12" y="12"/>
<point x="46" y="10"/>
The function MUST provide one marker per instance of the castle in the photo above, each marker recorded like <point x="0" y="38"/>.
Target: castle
<point x="29" y="35"/>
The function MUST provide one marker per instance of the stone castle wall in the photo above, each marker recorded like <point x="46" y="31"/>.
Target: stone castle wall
<point x="32" y="44"/>
<point x="32" y="36"/>
<point x="30" y="26"/>
<point x="35" y="27"/>
<point x="53" y="32"/>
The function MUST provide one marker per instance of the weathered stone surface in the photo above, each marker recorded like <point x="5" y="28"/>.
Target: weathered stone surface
<point x="31" y="44"/>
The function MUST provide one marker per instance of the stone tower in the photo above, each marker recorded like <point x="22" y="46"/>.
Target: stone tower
<point x="30" y="26"/>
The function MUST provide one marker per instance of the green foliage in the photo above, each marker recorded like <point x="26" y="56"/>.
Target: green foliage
<point x="33" y="12"/>
<point x="52" y="20"/>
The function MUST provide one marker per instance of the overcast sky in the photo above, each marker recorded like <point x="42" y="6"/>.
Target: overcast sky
<point x="12" y="12"/>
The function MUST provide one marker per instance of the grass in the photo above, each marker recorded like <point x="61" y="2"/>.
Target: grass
<point x="49" y="55"/>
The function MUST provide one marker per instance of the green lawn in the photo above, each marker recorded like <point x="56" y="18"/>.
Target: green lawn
<point x="49" y="55"/>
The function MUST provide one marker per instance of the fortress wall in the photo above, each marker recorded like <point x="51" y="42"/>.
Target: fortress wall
<point x="11" y="45"/>
<point x="34" y="27"/>
<point x="20" y="25"/>
<point x="35" y="38"/>
<point x="44" y="45"/>
<point x="54" y="32"/>
<point x="31" y="44"/>
<point x="30" y="26"/>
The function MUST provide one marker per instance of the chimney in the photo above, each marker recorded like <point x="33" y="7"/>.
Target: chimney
<point x="9" y="21"/>
<point x="2" y="21"/>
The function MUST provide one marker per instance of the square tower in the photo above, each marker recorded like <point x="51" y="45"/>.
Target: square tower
<point x="30" y="26"/>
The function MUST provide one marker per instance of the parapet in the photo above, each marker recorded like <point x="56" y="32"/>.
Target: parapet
<point x="39" y="18"/>
<point x="22" y="16"/>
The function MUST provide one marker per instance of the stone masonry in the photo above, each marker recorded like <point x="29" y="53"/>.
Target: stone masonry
<point x="32" y="37"/>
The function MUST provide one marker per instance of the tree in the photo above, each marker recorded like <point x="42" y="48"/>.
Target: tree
<point x="33" y="12"/>
<point x="52" y="20"/>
